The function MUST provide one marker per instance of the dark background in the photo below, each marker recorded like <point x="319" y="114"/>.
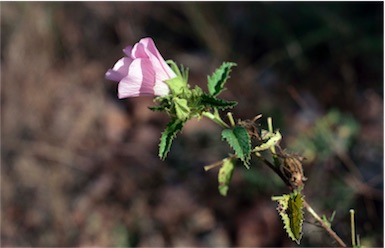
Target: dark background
<point x="80" y="168"/>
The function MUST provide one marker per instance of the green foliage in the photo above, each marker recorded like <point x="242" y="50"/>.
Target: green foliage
<point x="178" y="84"/>
<point x="213" y="102"/>
<point x="269" y="140"/>
<point x="181" y="108"/>
<point x="164" y="104"/>
<point x="168" y="135"/>
<point x="184" y="103"/>
<point x="217" y="81"/>
<point x="225" y="174"/>
<point x="295" y="213"/>
<point x="328" y="221"/>
<point x="239" y="139"/>
<point x="290" y="209"/>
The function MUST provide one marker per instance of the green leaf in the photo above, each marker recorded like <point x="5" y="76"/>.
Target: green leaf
<point x="177" y="85"/>
<point x="225" y="174"/>
<point x="290" y="210"/>
<point x="211" y="101"/>
<point x="164" y="104"/>
<point x="217" y="81"/>
<point x="296" y="215"/>
<point x="174" y="67"/>
<point x="239" y="139"/>
<point x="271" y="139"/>
<point x="328" y="221"/>
<point x="182" y="110"/>
<point x="158" y="108"/>
<point x="168" y="135"/>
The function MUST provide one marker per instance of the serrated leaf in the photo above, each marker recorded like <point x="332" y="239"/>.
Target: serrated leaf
<point x="211" y="101"/>
<point x="271" y="139"/>
<point x="290" y="210"/>
<point x="157" y="108"/>
<point x="164" y="104"/>
<point x="296" y="215"/>
<point x="181" y="108"/>
<point x="218" y="79"/>
<point x="224" y="175"/>
<point x="168" y="135"/>
<point x="239" y="139"/>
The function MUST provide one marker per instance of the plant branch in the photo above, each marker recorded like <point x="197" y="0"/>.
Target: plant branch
<point x="323" y="224"/>
<point x="216" y="118"/>
<point x="275" y="169"/>
<point x="327" y="228"/>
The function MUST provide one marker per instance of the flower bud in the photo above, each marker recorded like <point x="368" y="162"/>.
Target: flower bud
<point x="143" y="72"/>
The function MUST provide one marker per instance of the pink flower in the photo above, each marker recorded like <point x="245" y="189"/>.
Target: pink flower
<point x="143" y="72"/>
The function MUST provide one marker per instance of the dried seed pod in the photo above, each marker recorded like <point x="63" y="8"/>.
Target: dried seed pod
<point x="292" y="169"/>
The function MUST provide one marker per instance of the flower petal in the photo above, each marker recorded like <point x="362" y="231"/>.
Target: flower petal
<point x="161" y="65"/>
<point x="127" y="51"/>
<point x="161" y="88"/>
<point x="140" y="80"/>
<point x="143" y="72"/>
<point x="119" y="70"/>
<point x="139" y="51"/>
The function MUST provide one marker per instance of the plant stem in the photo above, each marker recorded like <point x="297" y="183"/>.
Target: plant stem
<point x="272" y="148"/>
<point x="352" y="227"/>
<point x="327" y="228"/>
<point x="274" y="168"/>
<point x="216" y="118"/>
<point x="209" y="167"/>
<point x="231" y="119"/>
<point x="323" y="224"/>
<point x="271" y="130"/>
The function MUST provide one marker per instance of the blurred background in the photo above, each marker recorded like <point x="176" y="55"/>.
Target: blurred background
<point x="80" y="168"/>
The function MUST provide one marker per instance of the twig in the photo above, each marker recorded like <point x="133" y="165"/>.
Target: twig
<point x="323" y="224"/>
<point x="275" y="169"/>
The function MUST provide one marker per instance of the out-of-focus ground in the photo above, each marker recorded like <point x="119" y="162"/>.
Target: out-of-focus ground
<point x="80" y="168"/>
